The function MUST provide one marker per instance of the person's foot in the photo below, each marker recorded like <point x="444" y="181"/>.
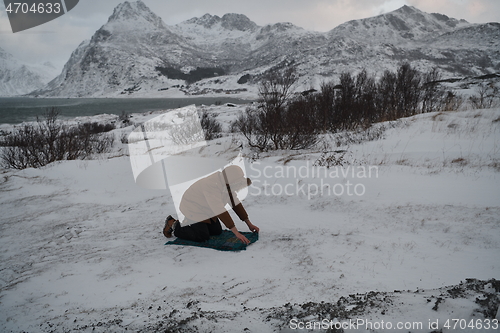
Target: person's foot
<point x="168" y="229"/>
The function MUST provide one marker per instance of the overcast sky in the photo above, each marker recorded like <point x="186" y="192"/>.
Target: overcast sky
<point x="55" y="40"/>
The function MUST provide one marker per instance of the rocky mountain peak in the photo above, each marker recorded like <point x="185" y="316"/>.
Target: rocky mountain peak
<point x="237" y="22"/>
<point x="424" y="18"/>
<point x="207" y="20"/>
<point x="451" y="22"/>
<point x="135" y="14"/>
<point x="229" y="21"/>
<point x="406" y="23"/>
<point x="407" y="10"/>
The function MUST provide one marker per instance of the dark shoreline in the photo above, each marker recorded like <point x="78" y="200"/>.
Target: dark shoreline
<point x="15" y="110"/>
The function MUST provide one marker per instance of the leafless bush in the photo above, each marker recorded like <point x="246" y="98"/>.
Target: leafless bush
<point x="125" y="120"/>
<point x="432" y="95"/>
<point x="211" y="126"/>
<point x="399" y="94"/>
<point x="276" y="88"/>
<point x="124" y="138"/>
<point x="96" y="128"/>
<point x="486" y="97"/>
<point x="451" y="102"/>
<point x="281" y="121"/>
<point x="49" y="140"/>
<point x="359" y="135"/>
<point x="189" y="132"/>
<point x="355" y="101"/>
<point x="286" y="121"/>
<point x="331" y="158"/>
<point x="251" y="126"/>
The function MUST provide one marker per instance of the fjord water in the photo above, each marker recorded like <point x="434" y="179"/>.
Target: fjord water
<point x="14" y="110"/>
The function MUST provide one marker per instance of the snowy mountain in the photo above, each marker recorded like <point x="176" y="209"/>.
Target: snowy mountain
<point x="122" y="54"/>
<point x="402" y="25"/>
<point x="18" y="78"/>
<point x="228" y="22"/>
<point x="135" y="52"/>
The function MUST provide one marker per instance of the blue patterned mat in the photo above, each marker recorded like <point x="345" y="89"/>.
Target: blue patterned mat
<point x="224" y="242"/>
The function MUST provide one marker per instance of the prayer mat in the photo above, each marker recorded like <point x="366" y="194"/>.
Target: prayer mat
<point x="226" y="241"/>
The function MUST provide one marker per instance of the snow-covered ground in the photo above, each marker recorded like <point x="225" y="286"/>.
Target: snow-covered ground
<point x="82" y="249"/>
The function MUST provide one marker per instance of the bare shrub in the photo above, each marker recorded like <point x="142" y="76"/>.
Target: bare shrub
<point x="486" y="97"/>
<point x="124" y="138"/>
<point x="301" y="123"/>
<point x="355" y="102"/>
<point x="49" y="140"/>
<point x="96" y="128"/>
<point x="276" y="88"/>
<point x="432" y="95"/>
<point x="358" y="135"/>
<point x="280" y="121"/>
<point x="325" y="101"/>
<point x="124" y="118"/>
<point x="452" y="102"/>
<point x="386" y="96"/>
<point x="331" y="158"/>
<point x="211" y="126"/>
<point x="250" y="125"/>
<point x="186" y="132"/>
<point x="408" y="90"/>
<point x="286" y="121"/>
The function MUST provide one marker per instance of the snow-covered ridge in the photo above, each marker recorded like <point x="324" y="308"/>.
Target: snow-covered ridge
<point x="211" y="31"/>
<point x="133" y="16"/>
<point x="405" y="24"/>
<point x="17" y="77"/>
<point x="230" y="21"/>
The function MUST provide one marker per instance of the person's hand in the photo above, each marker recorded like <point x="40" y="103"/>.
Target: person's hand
<point x="242" y="238"/>
<point x="253" y="228"/>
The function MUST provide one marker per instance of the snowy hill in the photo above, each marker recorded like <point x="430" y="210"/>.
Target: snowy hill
<point x="402" y="25"/>
<point x="136" y="53"/>
<point x="82" y="248"/>
<point x="228" y="22"/>
<point x="18" y="78"/>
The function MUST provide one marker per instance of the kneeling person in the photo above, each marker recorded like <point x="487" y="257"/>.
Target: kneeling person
<point x="203" y="205"/>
